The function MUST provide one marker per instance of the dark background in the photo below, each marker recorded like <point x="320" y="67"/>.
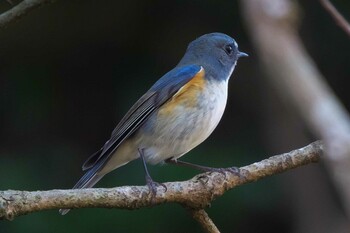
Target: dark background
<point x="71" y="69"/>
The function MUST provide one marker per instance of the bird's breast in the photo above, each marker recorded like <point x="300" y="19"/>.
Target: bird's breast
<point x="185" y="120"/>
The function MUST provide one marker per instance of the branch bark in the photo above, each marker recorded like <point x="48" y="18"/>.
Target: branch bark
<point x="18" y="11"/>
<point x="274" y="26"/>
<point x="338" y="18"/>
<point x="196" y="193"/>
<point x="203" y="219"/>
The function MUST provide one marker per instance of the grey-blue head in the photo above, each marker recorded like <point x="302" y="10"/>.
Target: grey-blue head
<point x="216" y="52"/>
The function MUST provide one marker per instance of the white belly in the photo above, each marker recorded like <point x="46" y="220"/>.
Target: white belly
<point x="186" y="127"/>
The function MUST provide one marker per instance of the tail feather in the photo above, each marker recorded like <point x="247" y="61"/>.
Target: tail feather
<point x="92" y="160"/>
<point x="89" y="179"/>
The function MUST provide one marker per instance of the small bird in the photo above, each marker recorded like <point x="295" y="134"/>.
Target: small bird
<point x="174" y="116"/>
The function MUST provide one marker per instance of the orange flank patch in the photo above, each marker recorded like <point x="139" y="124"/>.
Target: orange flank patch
<point x="187" y="96"/>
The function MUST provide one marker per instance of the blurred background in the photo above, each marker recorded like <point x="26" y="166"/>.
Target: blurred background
<point x="70" y="70"/>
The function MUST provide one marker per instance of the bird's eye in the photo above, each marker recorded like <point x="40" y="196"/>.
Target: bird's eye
<point x="228" y="49"/>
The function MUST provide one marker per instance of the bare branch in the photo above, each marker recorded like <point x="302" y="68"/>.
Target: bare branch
<point x="196" y="193"/>
<point x="338" y="18"/>
<point x="273" y="26"/>
<point x="18" y="11"/>
<point x="202" y="217"/>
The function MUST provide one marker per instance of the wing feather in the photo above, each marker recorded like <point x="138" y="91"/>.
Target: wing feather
<point x="158" y="94"/>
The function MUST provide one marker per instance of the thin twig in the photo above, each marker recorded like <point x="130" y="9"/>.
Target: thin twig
<point x="196" y="193"/>
<point x="338" y="18"/>
<point x="204" y="220"/>
<point x="18" y="11"/>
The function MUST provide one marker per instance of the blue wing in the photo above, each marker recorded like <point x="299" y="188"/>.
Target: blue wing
<point x="157" y="95"/>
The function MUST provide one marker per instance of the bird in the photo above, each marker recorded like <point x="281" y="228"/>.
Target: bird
<point x="174" y="116"/>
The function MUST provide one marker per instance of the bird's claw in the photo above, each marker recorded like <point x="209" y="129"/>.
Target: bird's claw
<point x="152" y="186"/>
<point x="233" y="170"/>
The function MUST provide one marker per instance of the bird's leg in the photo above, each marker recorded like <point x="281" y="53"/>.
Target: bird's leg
<point x="233" y="170"/>
<point x="152" y="185"/>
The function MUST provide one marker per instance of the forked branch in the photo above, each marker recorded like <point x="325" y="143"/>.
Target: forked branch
<point x="196" y="193"/>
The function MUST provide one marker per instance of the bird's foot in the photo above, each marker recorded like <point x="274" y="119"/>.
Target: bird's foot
<point x="152" y="186"/>
<point x="232" y="170"/>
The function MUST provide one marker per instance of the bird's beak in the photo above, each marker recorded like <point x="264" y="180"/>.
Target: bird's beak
<point x="241" y="54"/>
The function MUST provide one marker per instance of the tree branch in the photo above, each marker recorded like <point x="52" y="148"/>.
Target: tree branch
<point x="274" y="26"/>
<point x="203" y="219"/>
<point x="196" y="193"/>
<point x="338" y="18"/>
<point x="18" y="11"/>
